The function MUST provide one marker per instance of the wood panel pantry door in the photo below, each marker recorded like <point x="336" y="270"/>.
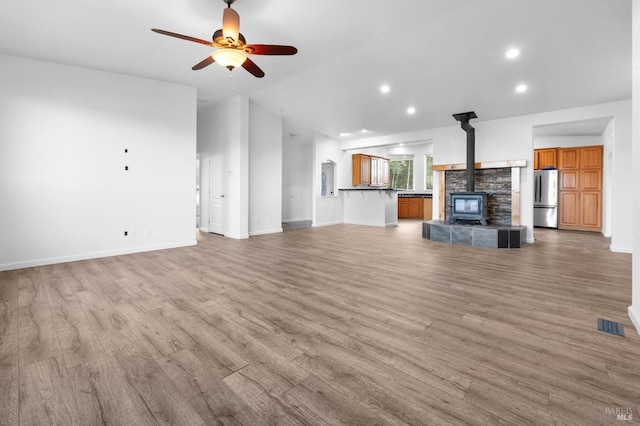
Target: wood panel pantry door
<point x="581" y="187"/>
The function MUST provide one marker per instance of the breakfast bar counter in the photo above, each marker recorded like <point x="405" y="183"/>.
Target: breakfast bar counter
<point x="370" y="206"/>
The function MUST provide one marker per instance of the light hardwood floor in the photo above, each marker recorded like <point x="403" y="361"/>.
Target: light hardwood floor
<point x="323" y="326"/>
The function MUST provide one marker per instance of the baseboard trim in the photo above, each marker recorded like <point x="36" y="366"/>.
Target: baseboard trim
<point x="634" y="315"/>
<point x="301" y="224"/>
<point x="296" y="220"/>
<point x="94" y="255"/>
<point x="268" y="231"/>
<point x="375" y="224"/>
<point x="237" y="236"/>
<point x="317" y="225"/>
<point x="619" y="249"/>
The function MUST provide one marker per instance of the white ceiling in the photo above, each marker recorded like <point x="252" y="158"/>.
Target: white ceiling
<point x="441" y="56"/>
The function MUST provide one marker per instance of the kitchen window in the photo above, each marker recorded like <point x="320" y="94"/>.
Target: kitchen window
<point x="428" y="171"/>
<point x="401" y="170"/>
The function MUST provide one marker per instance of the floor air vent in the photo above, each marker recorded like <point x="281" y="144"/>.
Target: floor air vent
<point x="610" y="327"/>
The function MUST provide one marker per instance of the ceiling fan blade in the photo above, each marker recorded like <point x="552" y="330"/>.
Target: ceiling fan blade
<point x="250" y="66"/>
<point x="270" y="49"/>
<point x="205" y="62"/>
<point x="183" y="37"/>
<point x="230" y="25"/>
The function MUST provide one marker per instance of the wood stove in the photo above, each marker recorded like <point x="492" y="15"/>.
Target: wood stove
<point x="469" y="208"/>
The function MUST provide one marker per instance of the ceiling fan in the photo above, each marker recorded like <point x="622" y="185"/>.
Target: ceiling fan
<point x="232" y="48"/>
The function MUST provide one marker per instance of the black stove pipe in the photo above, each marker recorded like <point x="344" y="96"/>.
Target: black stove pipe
<point x="464" y="118"/>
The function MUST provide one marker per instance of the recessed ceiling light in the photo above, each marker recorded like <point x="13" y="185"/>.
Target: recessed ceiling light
<point x="345" y="134"/>
<point x="512" y="53"/>
<point x="385" y="88"/>
<point x="364" y="130"/>
<point x="521" y="88"/>
<point x="411" y="110"/>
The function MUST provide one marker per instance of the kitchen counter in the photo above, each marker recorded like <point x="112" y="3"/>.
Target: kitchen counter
<point x="370" y="206"/>
<point x="368" y="188"/>
<point x="415" y="195"/>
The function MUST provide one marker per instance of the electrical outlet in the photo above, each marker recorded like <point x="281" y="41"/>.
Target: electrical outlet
<point x="126" y="233"/>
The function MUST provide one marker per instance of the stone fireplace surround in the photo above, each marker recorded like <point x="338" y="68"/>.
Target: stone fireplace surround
<point x="501" y="180"/>
<point x="495" y="182"/>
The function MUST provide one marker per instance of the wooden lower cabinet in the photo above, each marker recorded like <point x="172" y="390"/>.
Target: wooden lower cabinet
<point x="569" y="210"/>
<point x="403" y="208"/>
<point x="580" y="210"/>
<point x="427" y="210"/>
<point x="411" y="208"/>
<point x="591" y="210"/>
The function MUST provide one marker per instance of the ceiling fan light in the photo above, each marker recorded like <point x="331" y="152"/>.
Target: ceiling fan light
<point x="229" y="58"/>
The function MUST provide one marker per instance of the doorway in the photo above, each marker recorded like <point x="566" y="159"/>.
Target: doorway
<point x="577" y="152"/>
<point x="212" y="192"/>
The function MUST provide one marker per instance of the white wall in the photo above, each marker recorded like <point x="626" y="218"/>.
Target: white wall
<point x="265" y="171"/>
<point x="608" y="140"/>
<point x="512" y="139"/>
<point x="64" y="192"/>
<point x="297" y="179"/>
<point x="634" y="309"/>
<point x="540" y="142"/>
<point x="327" y="210"/>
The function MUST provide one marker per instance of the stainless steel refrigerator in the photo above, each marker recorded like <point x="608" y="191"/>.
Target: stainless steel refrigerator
<point x="545" y="201"/>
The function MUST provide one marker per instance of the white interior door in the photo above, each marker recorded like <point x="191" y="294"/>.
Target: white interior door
<point x="216" y="192"/>
<point x="204" y="191"/>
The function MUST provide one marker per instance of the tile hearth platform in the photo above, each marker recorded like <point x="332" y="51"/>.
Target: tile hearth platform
<point x="490" y="236"/>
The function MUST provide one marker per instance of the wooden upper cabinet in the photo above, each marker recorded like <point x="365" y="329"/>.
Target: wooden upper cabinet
<point x="369" y="170"/>
<point x="591" y="157"/>
<point x="545" y="158"/>
<point x="360" y="169"/>
<point x="386" y="172"/>
<point x="379" y="171"/>
<point x="568" y="158"/>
